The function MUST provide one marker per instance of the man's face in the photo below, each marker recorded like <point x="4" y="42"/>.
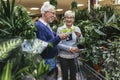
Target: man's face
<point x="50" y="15"/>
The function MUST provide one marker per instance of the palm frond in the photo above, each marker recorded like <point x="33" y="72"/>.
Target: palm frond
<point x="16" y="21"/>
<point x="7" y="46"/>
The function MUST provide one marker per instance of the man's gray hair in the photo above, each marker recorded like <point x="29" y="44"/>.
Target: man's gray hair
<point x="69" y="13"/>
<point x="46" y="7"/>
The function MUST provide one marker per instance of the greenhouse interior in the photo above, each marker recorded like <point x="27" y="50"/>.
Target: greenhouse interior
<point x="37" y="43"/>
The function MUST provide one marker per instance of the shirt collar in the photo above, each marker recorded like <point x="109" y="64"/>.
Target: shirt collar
<point x="46" y="24"/>
<point x="43" y="21"/>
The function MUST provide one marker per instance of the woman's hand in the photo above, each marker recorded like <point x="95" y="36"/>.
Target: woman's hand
<point x="77" y="33"/>
<point x="74" y="50"/>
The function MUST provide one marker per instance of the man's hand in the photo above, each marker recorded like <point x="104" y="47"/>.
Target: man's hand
<point x="63" y="36"/>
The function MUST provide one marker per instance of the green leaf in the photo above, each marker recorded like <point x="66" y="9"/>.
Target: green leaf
<point x="7" y="46"/>
<point x="99" y="32"/>
<point x="6" y="74"/>
<point x="22" y="70"/>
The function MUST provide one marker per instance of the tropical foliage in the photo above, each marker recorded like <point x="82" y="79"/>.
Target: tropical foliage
<point x="16" y="26"/>
<point x="111" y="60"/>
<point x="11" y="18"/>
<point x="101" y="33"/>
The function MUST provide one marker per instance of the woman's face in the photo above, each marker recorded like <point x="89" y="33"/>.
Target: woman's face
<point x="50" y="15"/>
<point x="69" y="20"/>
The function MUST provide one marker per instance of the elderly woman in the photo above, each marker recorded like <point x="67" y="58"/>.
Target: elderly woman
<point x="68" y="47"/>
<point x="45" y="33"/>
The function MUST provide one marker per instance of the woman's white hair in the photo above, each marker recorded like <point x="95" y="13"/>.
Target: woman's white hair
<point x="69" y="13"/>
<point x="46" y="7"/>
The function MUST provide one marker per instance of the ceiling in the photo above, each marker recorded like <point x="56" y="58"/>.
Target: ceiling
<point x="61" y="4"/>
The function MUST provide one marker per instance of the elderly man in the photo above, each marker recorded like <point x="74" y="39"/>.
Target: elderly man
<point x="45" y="33"/>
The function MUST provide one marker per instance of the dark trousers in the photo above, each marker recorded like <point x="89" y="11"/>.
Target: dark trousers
<point x="68" y="68"/>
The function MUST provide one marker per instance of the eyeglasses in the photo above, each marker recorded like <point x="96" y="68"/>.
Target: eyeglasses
<point x="69" y="17"/>
<point x="54" y="13"/>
